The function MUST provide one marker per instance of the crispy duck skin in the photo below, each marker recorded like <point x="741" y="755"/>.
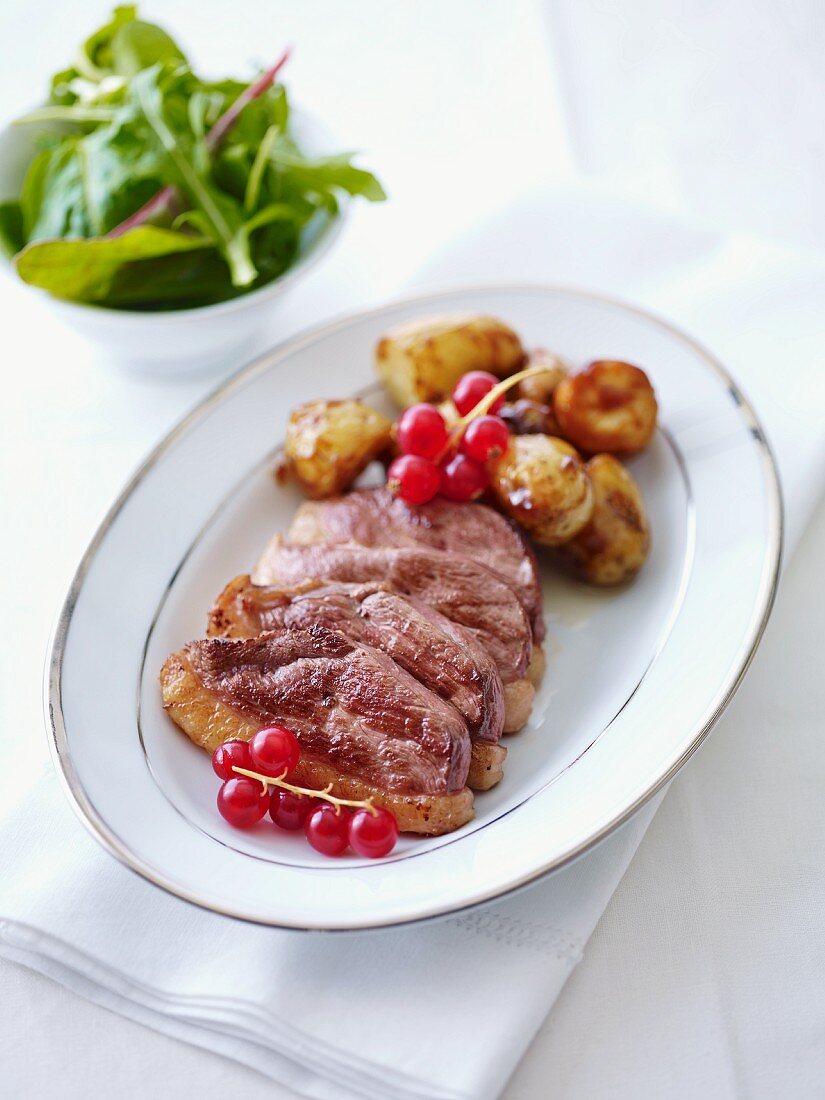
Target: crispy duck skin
<point x="467" y="593"/>
<point x="362" y="722"/>
<point x="375" y="517"/>
<point x="438" y="653"/>
<point x="442" y="655"/>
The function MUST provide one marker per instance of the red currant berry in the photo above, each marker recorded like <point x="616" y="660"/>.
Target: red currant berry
<point x="229" y="755"/>
<point x="373" y="834"/>
<point x="274" y="750"/>
<point x="485" y="437"/>
<point x="328" y="830"/>
<point x="290" y="810"/>
<point x="470" y="389"/>
<point x="242" y="802"/>
<point x="412" y="478"/>
<point x="422" y="431"/>
<point x="463" y="479"/>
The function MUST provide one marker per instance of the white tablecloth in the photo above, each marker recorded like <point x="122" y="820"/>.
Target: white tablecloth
<point x="703" y="979"/>
<point x="705" y="975"/>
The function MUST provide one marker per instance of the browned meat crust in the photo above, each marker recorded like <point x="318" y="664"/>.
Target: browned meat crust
<point x="467" y="593"/>
<point x="209" y="721"/>
<point x="374" y="517"/>
<point x="440" y="654"/>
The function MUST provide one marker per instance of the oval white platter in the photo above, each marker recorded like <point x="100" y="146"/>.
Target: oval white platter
<point x="635" y="678"/>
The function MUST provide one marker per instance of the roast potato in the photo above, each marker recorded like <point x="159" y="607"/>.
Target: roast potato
<point x="541" y="387"/>
<point x="329" y="443"/>
<point x="422" y="361"/>
<point x="541" y="482"/>
<point x="608" y="406"/>
<point x="613" y="546"/>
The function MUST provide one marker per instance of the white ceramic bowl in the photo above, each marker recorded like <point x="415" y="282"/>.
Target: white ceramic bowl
<point x="185" y="339"/>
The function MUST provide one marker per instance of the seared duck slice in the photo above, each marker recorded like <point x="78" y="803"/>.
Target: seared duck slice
<point x="374" y="517"/>
<point x="363" y="724"/>
<point x="467" y="593"/>
<point x="440" y="654"/>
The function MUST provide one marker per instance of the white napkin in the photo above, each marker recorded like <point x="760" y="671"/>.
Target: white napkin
<point x="446" y="1009"/>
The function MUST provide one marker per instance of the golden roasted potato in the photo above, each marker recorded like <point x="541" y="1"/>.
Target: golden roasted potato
<point x="608" y="406"/>
<point x="613" y="546"/>
<point x="422" y="361"/>
<point x="541" y="387"/>
<point x="329" y="443"/>
<point x="541" y="483"/>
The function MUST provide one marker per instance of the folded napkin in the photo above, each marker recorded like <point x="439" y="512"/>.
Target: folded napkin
<point x="443" y="1010"/>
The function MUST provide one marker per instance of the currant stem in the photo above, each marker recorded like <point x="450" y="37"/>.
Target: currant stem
<point x="366" y="804"/>
<point x="483" y="406"/>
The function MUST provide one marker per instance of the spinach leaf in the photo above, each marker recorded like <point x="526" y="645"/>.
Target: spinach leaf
<point x="137" y="45"/>
<point x="11" y="227"/>
<point x="62" y="90"/>
<point x="274" y="248"/>
<point x="94" y="58"/>
<point x="325" y="174"/>
<point x="178" y="280"/>
<point x="86" y="270"/>
<point x="124" y="168"/>
<point x="252" y="190"/>
<point x="32" y="192"/>
<point x="217" y="215"/>
<point x="71" y="112"/>
<point x="116" y="52"/>
<point x="54" y="195"/>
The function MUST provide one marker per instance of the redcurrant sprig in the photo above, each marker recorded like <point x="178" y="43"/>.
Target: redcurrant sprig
<point x="485" y="404"/>
<point x="250" y="768"/>
<point x="279" y="781"/>
<point x="452" y="461"/>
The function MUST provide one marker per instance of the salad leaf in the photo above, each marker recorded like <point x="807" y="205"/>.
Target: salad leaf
<point x="108" y="58"/>
<point x="166" y="190"/>
<point x="96" y="52"/>
<point x="216" y="213"/>
<point x="326" y="174"/>
<point x="252" y="191"/>
<point x="124" y="46"/>
<point x="11" y="227"/>
<point x="85" y="270"/>
<point x="54" y="195"/>
<point x="72" y="112"/>
<point x="124" y="168"/>
<point x="31" y="195"/>
<point x="137" y="45"/>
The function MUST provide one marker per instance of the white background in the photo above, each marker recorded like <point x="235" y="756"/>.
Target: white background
<point x="705" y="976"/>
